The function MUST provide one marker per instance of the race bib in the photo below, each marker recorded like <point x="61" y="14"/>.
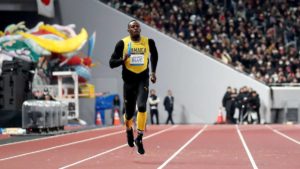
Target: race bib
<point x="136" y="59"/>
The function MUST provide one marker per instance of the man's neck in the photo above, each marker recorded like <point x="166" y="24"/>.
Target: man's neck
<point x="135" y="38"/>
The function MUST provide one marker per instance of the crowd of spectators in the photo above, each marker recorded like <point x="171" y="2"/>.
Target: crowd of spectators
<point x="259" y="37"/>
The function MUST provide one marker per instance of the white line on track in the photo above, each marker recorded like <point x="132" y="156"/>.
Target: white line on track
<point x="246" y="148"/>
<point x="51" y="137"/>
<point x="283" y="135"/>
<point x="60" y="146"/>
<point x="181" y="148"/>
<point x="113" y="149"/>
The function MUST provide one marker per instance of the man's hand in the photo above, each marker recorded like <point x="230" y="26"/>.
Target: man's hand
<point x="125" y="57"/>
<point x="153" y="77"/>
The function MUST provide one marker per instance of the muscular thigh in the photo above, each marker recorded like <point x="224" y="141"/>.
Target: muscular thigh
<point x="130" y="96"/>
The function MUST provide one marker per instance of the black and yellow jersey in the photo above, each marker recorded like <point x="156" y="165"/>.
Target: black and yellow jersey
<point x="136" y="66"/>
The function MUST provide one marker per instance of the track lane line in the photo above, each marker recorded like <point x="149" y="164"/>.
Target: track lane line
<point x="282" y="134"/>
<point x="62" y="145"/>
<point x="61" y="135"/>
<point x="182" y="147"/>
<point x="113" y="149"/>
<point x="246" y="148"/>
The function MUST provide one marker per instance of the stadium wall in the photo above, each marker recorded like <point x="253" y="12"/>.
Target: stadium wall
<point x="198" y="81"/>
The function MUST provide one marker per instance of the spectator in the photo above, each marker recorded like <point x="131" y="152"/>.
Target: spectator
<point x="153" y="102"/>
<point x="234" y="105"/>
<point x="227" y="103"/>
<point x="254" y="104"/>
<point x="256" y="37"/>
<point x="242" y="102"/>
<point x="169" y="106"/>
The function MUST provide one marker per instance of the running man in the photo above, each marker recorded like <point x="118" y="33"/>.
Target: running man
<point x="133" y="53"/>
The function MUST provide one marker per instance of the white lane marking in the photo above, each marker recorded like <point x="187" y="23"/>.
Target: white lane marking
<point x="51" y="137"/>
<point x="60" y="146"/>
<point x="182" y="147"/>
<point x="283" y="135"/>
<point x="113" y="149"/>
<point x="246" y="148"/>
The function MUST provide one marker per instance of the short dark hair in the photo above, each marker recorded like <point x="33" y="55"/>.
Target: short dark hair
<point x="133" y="20"/>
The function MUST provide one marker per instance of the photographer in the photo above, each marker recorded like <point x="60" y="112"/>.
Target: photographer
<point x="242" y="102"/>
<point x="228" y="102"/>
<point x="254" y="104"/>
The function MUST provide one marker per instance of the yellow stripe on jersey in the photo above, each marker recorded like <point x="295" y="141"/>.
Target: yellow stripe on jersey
<point x="139" y="54"/>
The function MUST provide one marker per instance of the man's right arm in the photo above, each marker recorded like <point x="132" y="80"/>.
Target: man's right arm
<point x="117" y="56"/>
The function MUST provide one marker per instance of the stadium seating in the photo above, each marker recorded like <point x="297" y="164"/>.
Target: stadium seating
<point x="256" y="37"/>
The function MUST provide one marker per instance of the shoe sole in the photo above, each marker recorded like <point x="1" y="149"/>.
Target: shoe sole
<point x="130" y="145"/>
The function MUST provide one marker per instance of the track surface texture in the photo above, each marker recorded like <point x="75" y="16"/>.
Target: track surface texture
<point x="166" y="146"/>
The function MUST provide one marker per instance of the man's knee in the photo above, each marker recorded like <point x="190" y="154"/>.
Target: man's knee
<point x="142" y="108"/>
<point x="128" y="116"/>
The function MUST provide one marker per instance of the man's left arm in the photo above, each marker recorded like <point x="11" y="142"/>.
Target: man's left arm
<point x="154" y="59"/>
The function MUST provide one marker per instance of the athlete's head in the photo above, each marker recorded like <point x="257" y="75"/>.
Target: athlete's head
<point x="134" y="29"/>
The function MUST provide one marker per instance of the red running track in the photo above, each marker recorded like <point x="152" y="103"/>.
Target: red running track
<point x="273" y="149"/>
<point x="217" y="147"/>
<point x="182" y="146"/>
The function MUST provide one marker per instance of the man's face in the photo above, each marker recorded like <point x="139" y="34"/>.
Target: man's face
<point x="229" y="90"/>
<point x="134" y="29"/>
<point x="169" y="92"/>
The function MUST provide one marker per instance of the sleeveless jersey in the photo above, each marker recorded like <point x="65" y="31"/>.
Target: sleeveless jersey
<point x="138" y="54"/>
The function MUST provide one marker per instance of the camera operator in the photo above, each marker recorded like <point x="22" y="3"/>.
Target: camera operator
<point x="254" y="104"/>
<point x="242" y="101"/>
<point x="229" y="103"/>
